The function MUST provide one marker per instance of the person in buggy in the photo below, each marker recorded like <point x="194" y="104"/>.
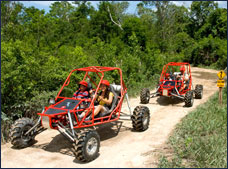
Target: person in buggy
<point x="167" y="77"/>
<point x="104" y="100"/>
<point x="184" y="77"/>
<point x="82" y="92"/>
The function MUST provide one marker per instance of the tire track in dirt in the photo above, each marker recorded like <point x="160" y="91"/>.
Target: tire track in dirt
<point x="120" y="146"/>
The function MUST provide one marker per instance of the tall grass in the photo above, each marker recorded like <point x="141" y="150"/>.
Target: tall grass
<point x="200" y="140"/>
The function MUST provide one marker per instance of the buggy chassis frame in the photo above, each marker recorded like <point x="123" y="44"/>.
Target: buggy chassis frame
<point x="68" y="130"/>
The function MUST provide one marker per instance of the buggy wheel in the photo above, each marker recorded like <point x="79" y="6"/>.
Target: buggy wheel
<point x="87" y="145"/>
<point x="18" y="130"/>
<point x="140" y="118"/>
<point x="188" y="99"/>
<point x="145" y="96"/>
<point x="199" y="91"/>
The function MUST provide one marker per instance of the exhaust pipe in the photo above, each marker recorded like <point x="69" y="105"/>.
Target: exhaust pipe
<point x="125" y="117"/>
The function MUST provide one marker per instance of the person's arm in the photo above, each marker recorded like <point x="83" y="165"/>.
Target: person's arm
<point x="108" y="101"/>
<point x="186" y="77"/>
<point x="96" y="97"/>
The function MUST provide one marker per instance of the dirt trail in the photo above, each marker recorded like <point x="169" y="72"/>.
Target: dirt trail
<point x="120" y="146"/>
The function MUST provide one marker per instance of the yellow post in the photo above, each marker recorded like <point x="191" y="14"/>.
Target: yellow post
<point x="220" y="83"/>
<point x="220" y="95"/>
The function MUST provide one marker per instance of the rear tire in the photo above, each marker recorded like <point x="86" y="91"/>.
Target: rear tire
<point x="199" y="91"/>
<point x="189" y="99"/>
<point x="140" y="118"/>
<point x="18" y="130"/>
<point x="145" y="96"/>
<point x="87" y="145"/>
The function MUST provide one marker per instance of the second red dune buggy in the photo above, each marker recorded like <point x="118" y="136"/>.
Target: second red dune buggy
<point x="175" y="81"/>
<point x="63" y="113"/>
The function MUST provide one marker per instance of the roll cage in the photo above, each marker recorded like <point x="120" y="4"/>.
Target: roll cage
<point x="56" y="113"/>
<point x="173" y="85"/>
<point x="167" y="67"/>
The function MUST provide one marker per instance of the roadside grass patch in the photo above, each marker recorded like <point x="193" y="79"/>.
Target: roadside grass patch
<point x="200" y="140"/>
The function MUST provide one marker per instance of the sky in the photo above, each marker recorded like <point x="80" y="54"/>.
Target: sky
<point x="131" y="9"/>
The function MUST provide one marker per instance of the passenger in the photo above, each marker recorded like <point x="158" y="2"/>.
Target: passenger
<point x="184" y="77"/>
<point x="104" y="99"/>
<point x="82" y="93"/>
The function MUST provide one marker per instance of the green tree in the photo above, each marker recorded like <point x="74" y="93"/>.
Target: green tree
<point x="200" y="10"/>
<point x="11" y="20"/>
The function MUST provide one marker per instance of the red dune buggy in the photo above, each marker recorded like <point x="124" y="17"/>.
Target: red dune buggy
<point x="175" y="81"/>
<point x="63" y="114"/>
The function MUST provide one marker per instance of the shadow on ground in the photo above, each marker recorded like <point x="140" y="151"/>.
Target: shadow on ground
<point x="61" y="145"/>
<point x="58" y="144"/>
<point x="165" y="101"/>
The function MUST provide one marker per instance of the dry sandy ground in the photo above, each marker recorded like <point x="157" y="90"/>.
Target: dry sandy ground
<point x="120" y="146"/>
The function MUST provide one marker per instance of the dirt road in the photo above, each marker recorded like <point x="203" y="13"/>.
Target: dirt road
<point x="120" y="146"/>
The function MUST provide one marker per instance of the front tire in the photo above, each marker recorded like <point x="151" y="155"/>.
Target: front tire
<point x="140" y="118"/>
<point x="199" y="91"/>
<point x="18" y="130"/>
<point x="145" y="96"/>
<point x="189" y="99"/>
<point x="87" y="145"/>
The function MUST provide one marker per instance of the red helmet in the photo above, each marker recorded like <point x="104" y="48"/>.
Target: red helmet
<point x="182" y="68"/>
<point x="84" y="83"/>
<point x="167" y="75"/>
<point x="105" y="82"/>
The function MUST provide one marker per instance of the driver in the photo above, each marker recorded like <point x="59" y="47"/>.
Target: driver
<point x="82" y="93"/>
<point x="104" y="99"/>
